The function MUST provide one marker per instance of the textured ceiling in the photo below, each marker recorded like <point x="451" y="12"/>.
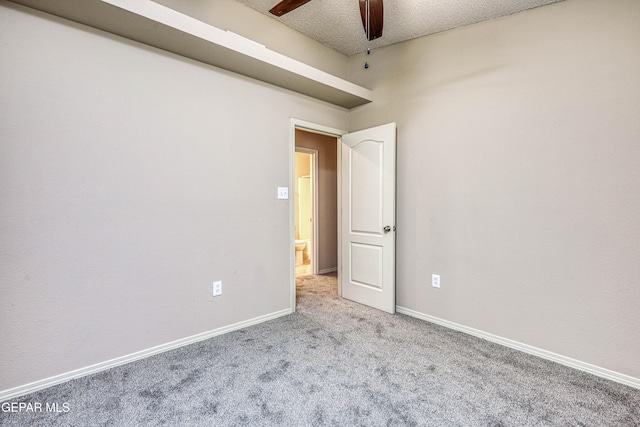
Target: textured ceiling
<point x="337" y="24"/>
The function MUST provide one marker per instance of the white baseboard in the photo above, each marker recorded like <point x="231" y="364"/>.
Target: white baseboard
<point x="563" y="360"/>
<point x="328" y="270"/>
<point x="59" y="379"/>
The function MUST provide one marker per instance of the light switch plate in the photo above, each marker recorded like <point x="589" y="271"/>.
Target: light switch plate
<point x="283" y="193"/>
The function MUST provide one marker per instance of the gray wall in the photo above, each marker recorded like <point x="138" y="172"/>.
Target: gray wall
<point x="519" y="176"/>
<point x="130" y="180"/>
<point x="327" y="195"/>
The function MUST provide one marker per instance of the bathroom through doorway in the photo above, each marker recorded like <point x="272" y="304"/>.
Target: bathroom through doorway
<point x="306" y="204"/>
<point x="321" y="166"/>
<point x="325" y="251"/>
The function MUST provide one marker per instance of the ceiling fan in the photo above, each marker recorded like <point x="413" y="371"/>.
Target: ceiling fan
<point x="371" y="13"/>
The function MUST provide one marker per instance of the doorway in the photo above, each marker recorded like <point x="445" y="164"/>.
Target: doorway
<point x="364" y="211"/>
<point x="321" y="145"/>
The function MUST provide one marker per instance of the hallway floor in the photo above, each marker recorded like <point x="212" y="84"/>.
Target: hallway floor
<point x="304" y="269"/>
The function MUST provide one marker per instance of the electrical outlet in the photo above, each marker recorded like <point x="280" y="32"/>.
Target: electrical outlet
<point x="217" y="288"/>
<point x="435" y="280"/>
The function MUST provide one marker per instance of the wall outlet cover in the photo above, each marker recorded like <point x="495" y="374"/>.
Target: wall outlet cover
<point x="217" y="288"/>
<point x="435" y="280"/>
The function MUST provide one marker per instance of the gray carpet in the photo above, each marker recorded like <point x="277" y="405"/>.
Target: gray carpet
<point x="338" y="363"/>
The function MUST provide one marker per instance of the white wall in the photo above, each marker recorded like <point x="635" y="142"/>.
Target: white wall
<point x="130" y="180"/>
<point x="519" y="176"/>
<point x="302" y="167"/>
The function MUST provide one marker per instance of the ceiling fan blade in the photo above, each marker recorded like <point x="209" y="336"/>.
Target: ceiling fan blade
<point x="376" y="18"/>
<point x="286" y="6"/>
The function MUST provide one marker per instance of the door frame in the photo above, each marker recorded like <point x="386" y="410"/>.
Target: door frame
<point x="314" y="205"/>
<point x="323" y="130"/>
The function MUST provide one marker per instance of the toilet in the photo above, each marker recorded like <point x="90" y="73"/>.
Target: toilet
<point x="300" y="245"/>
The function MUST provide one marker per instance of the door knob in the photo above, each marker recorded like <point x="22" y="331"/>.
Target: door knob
<point x="386" y="229"/>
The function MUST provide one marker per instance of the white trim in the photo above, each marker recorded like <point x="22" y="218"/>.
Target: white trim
<point x="328" y="270"/>
<point x="525" y="348"/>
<point x="316" y="128"/>
<point x="103" y="366"/>
<point x="323" y="130"/>
<point x="339" y="209"/>
<point x="292" y="216"/>
<point x="315" y="242"/>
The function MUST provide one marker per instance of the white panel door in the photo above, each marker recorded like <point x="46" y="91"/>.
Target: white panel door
<point x="368" y="193"/>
